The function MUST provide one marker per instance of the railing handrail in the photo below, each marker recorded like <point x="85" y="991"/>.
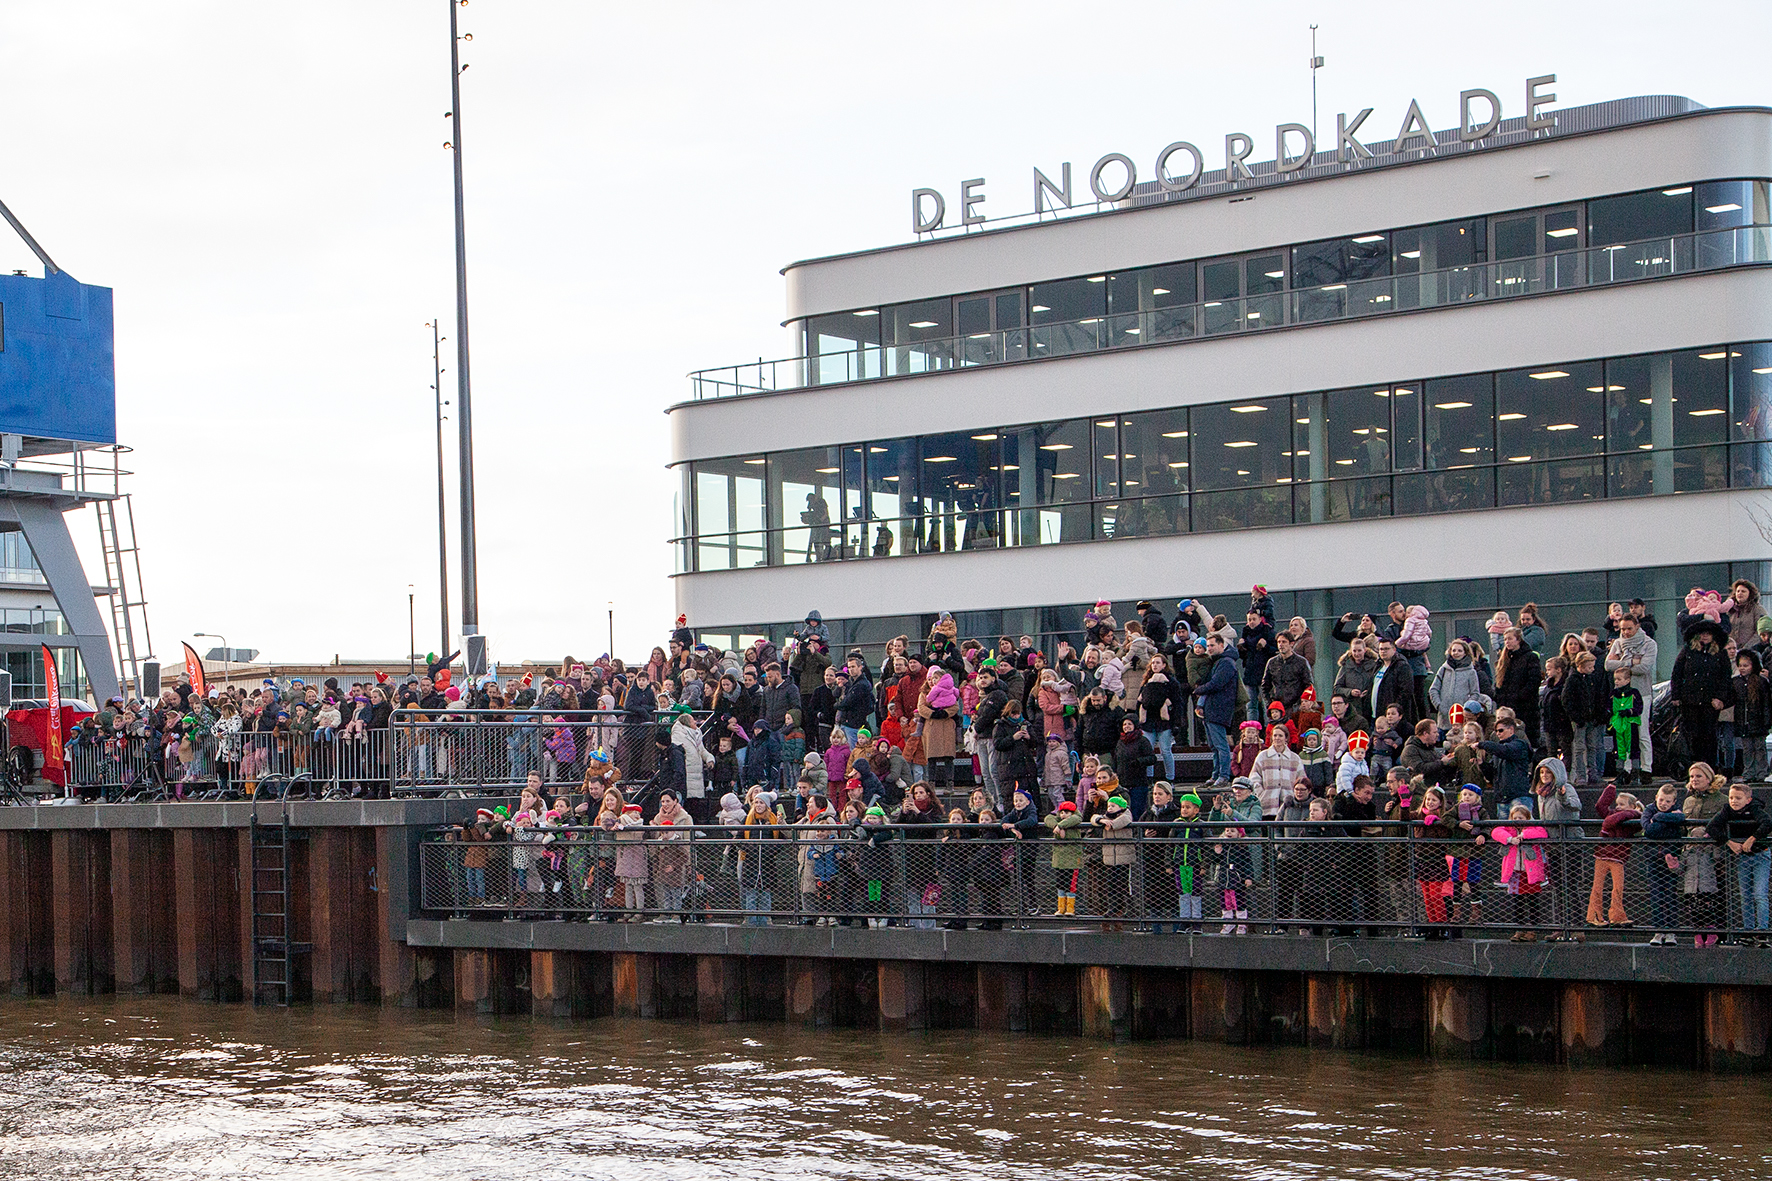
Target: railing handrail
<point x="712" y="376"/>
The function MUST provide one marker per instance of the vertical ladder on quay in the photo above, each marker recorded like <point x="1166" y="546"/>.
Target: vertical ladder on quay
<point x="273" y="946"/>
<point x="123" y="582"/>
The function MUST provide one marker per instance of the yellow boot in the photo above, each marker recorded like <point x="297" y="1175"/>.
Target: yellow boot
<point x="1070" y="904"/>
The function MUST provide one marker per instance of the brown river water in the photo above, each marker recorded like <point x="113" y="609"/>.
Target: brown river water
<point x="156" y="1087"/>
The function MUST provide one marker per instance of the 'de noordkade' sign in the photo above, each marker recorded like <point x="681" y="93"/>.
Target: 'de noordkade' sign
<point x="929" y="207"/>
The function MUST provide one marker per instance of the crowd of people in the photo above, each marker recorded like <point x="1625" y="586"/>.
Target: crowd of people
<point x="1071" y="759"/>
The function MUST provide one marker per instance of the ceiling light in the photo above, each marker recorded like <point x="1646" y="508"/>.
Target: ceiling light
<point x="1114" y="457"/>
<point x="1214" y="304"/>
<point x="1105" y="422"/>
<point x="1055" y="446"/>
<point x="922" y="323"/>
<point x="1301" y="453"/>
<point x="1515" y="416"/>
<point x="1247" y="409"/>
<point x="1345" y="462"/>
<point x="1159" y="291"/>
<point x="1411" y="254"/>
<point x="1560" y="426"/>
<point x="1717" y="356"/>
<point x="1175" y="434"/>
<point x="1729" y="207"/>
<point x="1242" y="443"/>
<point x="1096" y="279"/>
<point x="1275" y="274"/>
<point x="1012" y="467"/>
<point x="1301" y="421"/>
<point x="1286" y="453"/>
<point x="1040" y="307"/>
<point x="1096" y="320"/>
<point x="1467" y="450"/>
<point x="1064" y="475"/>
<point x="1364" y="239"/>
<point x="1253" y="316"/>
<point x="826" y="471"/>
<point x="1767" y="369"/>
<point x="1570" y="231"/>
<point x="1596" y="389"/>
<point x="755" y="461"/>
<point x="979" y="336"/>
<point x="1277" y="479"/>
<point x="1548" y="374"/>
<point x="1683" y="189"/>
<point x="1452" y="405"/>
<point x="1518" y="458"/>
<point x="1613" y="388"/>
<point x="1647" y="401"/>
<point x="984" y="438"/>
<point x="1178" y="465"/>
<point x="1333" y="287"/>
<point x="1645" y="446"/>
<point x="941" y="459"/>
<point x="1241" y="472"/>
<point x="894" y="479"/>
<point x="1703" y="413"/>
<point x="876" y="450"/>
<point x="1132" y="332"/>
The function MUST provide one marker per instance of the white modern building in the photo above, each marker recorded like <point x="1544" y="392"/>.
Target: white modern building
<point x="1534" y="364"/>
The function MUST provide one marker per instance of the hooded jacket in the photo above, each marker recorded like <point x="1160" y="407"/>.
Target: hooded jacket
<point x="1637" y="654"/>
<point x="1454" y="684"/>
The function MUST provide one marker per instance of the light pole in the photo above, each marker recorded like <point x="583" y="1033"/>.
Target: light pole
<point x="472" y="642"/>
<point x="226" y="663"/>
<point x="411" y="632"/>
<point x="612" y="629"/>
<point x="442" y="516"/>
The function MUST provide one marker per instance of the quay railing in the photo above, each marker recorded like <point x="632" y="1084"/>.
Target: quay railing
<point x="1370" y="879"/>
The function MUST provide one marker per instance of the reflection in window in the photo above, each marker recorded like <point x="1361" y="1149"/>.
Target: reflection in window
<point x="1660" y="402"/>
<point x="1658" y="213"/>
<point x="1340" y="436"/>
<point x="1459" y="443"/>
<point x="1334" y="279"/>
<point x="1154" y="473"/>
<point x="1046" y="467"/>
<point x="1751" y="459"/>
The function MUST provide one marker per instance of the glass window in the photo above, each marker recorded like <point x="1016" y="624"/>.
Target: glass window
<point x="1333" y="279"/>
<point x="1154" y="473"/>
<point x="1665" y="421"/>
<point x="1634" y="217"/>
<point x="1067" y="315"/>
<point x="1242" y="446"/>
<point x="921" y="334"/>
<point x="1752" y="397"/>
<point x="729" y="495"/>
<point x="1459" y="445"/>
<point x="806" y="503"/>
<point x="841" y="346"/>
<point x="1443" y="263"/>
<point x="1724" y="204"/>
<point x="959" y="487"/>
<point x="1550" y="413"/>
<point x="892" y="497"/>
<point x="1046" y="468"/>
<point x="1406" y="427"/>
<point x="1340" y="436"/>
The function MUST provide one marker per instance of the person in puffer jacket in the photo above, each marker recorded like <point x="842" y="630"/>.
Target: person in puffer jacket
<point x="1413" y="641"/>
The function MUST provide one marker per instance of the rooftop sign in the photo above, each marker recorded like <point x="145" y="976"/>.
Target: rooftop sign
<point x="1180" y="166"/>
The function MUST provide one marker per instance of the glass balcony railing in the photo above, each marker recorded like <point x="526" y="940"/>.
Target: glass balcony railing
<point x="1590" y="267"/>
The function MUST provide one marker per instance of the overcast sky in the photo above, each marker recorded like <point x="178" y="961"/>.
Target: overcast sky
<point x="265" y="188"/>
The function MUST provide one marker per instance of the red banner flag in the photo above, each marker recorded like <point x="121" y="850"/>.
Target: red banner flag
<point x="194" y="672"/>
<point x="52" y="737"/>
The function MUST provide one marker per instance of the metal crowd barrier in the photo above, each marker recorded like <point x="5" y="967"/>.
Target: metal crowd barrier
<point x="249" y="763"/>
<point x="477" y="752"/>
<point x="1372" y="880"/>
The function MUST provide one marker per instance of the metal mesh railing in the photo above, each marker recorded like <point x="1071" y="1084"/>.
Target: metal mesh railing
<point x="1372" y="880"/>
<point x="248" y="763"/>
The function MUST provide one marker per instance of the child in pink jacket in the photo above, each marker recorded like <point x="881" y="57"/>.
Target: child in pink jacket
<point x="1522" y="869"/>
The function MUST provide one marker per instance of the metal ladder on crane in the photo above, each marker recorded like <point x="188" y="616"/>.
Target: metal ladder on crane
<point x="123" y="580"/>
<point x="273" y="948"/>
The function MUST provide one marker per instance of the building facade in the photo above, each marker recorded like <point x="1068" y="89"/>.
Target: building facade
<point x="1469" y="376"/>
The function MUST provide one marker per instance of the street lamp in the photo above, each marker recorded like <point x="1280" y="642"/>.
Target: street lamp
<point x="225" y="652"/>
<point x="612" y="629"/>
<point x="411" y="631"/>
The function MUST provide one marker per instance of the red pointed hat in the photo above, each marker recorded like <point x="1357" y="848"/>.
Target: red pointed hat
<point x="1455" y="715"/>
<point x="1358" y="742"/>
